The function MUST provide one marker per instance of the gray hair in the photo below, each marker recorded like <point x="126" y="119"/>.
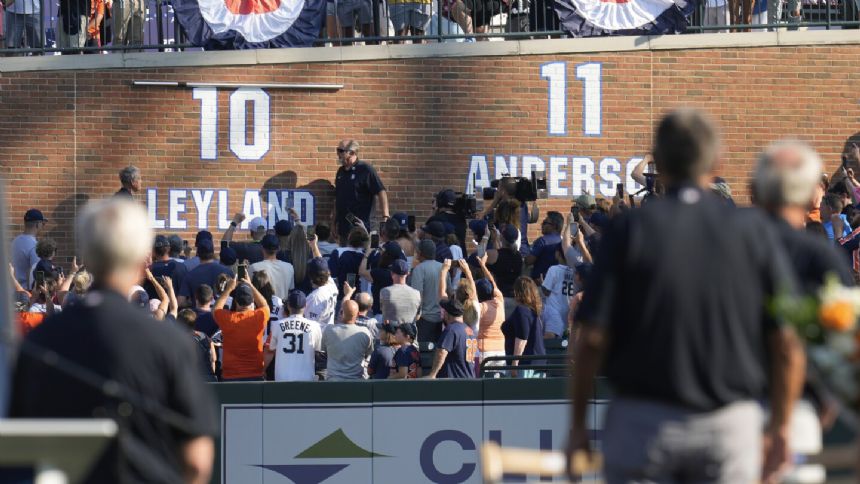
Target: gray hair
<point x="113" y="235"/>
<point x="352" y="146"/>
<point x="787" y="173"/>
<point x="128" y="175"/>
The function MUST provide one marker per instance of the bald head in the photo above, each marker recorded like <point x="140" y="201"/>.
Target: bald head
<point x="364" y="301"/>
<point x="350" y="312"/>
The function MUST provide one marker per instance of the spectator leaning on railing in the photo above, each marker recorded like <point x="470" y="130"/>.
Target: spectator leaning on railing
<point x="242" y="331"/>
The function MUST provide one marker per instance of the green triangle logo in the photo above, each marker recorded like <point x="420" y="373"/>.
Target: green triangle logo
<point x="337" y="446"/>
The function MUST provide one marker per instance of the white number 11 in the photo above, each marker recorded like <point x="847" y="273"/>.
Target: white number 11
<point x="556" y="74"/>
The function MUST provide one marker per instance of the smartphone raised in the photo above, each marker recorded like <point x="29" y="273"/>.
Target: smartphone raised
<point x="352" y="219"/>
<point x="632" y="200"/>
<point x="242" y="271"/>
<point x="40" y="278"/>
<point x="619" y="189"/>
<point x="575" y="211"/>
<point x="311" y="232"/>
<point x="574" y="229"/>
<point x="350" y="279"/>
<point x="410" y="223"/>
<point x="374" y="240"/>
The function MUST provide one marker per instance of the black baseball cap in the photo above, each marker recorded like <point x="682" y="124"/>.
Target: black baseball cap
<point x="161" y="242"/>
<point x="34" y="215"/>
<point x="408" y="329"/>
<point x="205" y="247"/>
<point x="452" y="306"/>
<point x="436" y="229"/>
<point x="270" y="242"/>
<point x="243" y="295"/>
<point x="202" y="235"/>
<point x="284" y="227"/>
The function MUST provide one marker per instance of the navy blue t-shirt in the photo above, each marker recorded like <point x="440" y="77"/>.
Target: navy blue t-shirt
<point x="343" y="262"/>
<point x="176" y="271"/>
<point x="205" y="322"/>
<point x="205" y="273"/>
<point x="544" y="250"/>
<point x="379" y="366"/>
<point x="354" y="191"/>
<point x="250" y="251"/>
<point x="524" y="324"/>
<point x="409" y="357"/>
<point x="462" y="346"/>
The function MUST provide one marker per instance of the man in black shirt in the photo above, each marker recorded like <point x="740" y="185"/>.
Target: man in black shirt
<point x="246" y="251"/>
<point x="131" y="181"/>
<point x="356" y="186"/>
<point x="678" y="308"/>
<point x="104" y="358"/>
<point x="445" y="213"/>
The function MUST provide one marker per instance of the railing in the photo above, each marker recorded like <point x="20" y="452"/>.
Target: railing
<point x="488" y="369"/>
<point x="35" y="27"/>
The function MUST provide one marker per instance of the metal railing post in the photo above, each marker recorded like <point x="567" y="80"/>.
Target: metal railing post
<point x="439" y="21"/>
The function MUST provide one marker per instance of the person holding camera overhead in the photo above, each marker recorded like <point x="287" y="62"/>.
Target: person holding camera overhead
<point x="356" y="186"/>
<point x="445" y="202"/>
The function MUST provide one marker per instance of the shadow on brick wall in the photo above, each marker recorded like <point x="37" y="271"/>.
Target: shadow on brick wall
<point x="323" y="192"/>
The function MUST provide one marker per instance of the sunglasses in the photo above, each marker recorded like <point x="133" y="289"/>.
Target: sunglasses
<point x="342" y="150"/>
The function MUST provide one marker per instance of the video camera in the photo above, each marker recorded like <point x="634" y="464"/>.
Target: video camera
<point x="521" y="188"/>
<point x="465" y="205"/>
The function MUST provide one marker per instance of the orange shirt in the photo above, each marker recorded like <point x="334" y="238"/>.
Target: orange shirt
<point x="242" y="341"/>
<point x="28" y="321"/>
<point x="490" y="337"/>
<point x="814" y="215"/>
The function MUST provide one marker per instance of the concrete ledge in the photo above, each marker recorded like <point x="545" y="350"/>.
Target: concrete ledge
<point x="138" y="60"/>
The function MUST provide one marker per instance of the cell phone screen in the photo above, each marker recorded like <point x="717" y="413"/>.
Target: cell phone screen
<point x="350" y="279"/>
<point x="374" y="240"/>
<point x="410" y="222"/>
<point x="243" y="271"/>
<point x="620" y="189"/>
<point x="311" y="232"/>
<point x="40" y="277"/>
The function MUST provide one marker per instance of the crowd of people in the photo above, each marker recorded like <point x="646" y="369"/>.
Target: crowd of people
<point x="670" y="296"/>
<point x="78" y="24"/>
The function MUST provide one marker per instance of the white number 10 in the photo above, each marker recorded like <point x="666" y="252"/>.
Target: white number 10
<point x="239" y="99"/>
<point x="556" y="74"/>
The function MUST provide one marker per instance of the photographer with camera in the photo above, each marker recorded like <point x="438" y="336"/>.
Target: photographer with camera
<point x="515" y="193"/>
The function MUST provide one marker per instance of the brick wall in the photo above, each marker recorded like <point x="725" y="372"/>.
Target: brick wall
<point x="65" y="135"/>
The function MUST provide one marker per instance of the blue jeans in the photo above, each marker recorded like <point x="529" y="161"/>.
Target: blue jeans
<point x="20" y="27"/>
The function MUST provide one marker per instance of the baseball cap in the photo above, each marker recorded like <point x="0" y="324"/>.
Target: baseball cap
<point x="175" y="242"/>
<point x="394" y="247"/>
<point x="34" y="215"/>
<point x="446" y="198"/>
<point x="400" y="267"/>
<point x="296" y="299"/>
<point x="140" y="298"/>
<point x="256" y="224"/>
<point x="402" y="220"/>
<point x="317" y="266"/>
<point x="449" y="228"/>
<point x="408" y="329"/>
<point x="510" y="234"/>
<point x="452" y="306"/>
<point x="478" y="227"/>
<point x="585" y="201"/>
<point x="205" y="247"/>
<point x="203" y="234"/>
<point x="387" y="327"/>
<point x="160" y="242"/>
<point x="243" y="295"/>
<point x="484" y="289"/>
<point x="427" y="249"/>
<point x="284" y="227"/>
<point x="270" y="242"/>
<point x="228" y="256"/>
<point x="436" y="229"/>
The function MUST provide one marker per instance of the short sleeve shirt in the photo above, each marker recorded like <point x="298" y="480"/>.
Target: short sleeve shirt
<point x="355" y="188"/>
<point x="561" y="286"/>
<point x="170" y="268"/>
<point x="506" y="270"/>
<point x="524" y="324"/>
<point x="203" y="274"/>
<point x="407" y="356"/>
<point x="459" y="341"/>
<point x="380" y="363"/>
<point x="250" y="251"/>
<point x="321" y="303"/>
<point x="295" y="341"/>
<point x="543" y="249"/>
<point x="242" y="341"/>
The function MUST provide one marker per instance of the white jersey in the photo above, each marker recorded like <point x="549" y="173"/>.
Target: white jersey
<point x="321" y="303"/>
<point x="561" y="286"/>
<point x="295" y="340"/>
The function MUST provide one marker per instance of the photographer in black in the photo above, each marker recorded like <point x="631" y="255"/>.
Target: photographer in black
<point x="448" y="210"/>
<point x="515" y="192"/>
